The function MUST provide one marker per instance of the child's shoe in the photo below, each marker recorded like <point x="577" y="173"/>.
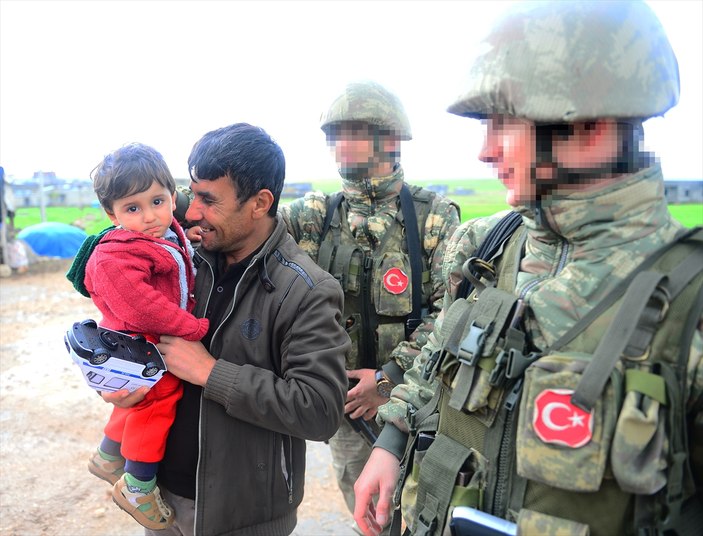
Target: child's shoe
<point x="110" y="471"/>
<point x="147" y="508"/>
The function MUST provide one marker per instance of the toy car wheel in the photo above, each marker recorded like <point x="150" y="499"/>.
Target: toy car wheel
<point x="151" y="369"/>
<point x="89" y="323"/>
<point x="99" y="357"/>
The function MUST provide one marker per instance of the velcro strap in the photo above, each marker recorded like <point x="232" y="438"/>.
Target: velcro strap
<point x="651" y="385"/>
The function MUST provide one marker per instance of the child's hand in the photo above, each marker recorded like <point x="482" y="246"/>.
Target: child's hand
<point x="193" y="234"/>
<point x="124" y="398"/>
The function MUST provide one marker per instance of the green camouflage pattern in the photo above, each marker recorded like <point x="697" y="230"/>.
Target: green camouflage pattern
<point x="572" y="61"/>
<point x="530" y="522"/>
<point x="602" y="236"/>
<point x="371" y="103"/>
<point x="373" y="206"/>
<point x="597" y="238"/>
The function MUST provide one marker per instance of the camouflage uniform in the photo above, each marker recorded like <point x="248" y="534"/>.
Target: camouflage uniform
<point x="372" y="210"/>
<point x="579" y="248"/>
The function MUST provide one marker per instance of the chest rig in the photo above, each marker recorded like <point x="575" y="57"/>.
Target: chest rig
<point x="498" y="440"/>
<point x="385" y="290"/>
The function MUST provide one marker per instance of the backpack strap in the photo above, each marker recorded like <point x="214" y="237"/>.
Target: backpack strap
<point x="695" y="234"/>
<point x="412" y="235"/>
<point x="493" y="241"/>
<point x="333" y="203"/>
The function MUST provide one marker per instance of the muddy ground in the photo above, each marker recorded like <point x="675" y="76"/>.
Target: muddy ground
<point x="50" y="422"/>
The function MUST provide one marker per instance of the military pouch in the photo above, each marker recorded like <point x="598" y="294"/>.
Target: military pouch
<point x="638" y="454"/>
<point x="344" y="262"/>
<point x="470" y="335"/>
<point x="530" y="522"/>
<point x="392" y="289"/>
<point x="558" y="443"/>
<point x="447" y="474"/>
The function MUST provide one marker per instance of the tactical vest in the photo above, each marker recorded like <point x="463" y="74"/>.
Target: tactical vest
<point x="378" y="289"/>
<point x="531" y="436"/>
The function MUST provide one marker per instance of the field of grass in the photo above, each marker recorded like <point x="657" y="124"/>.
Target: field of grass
<point x="488" y="198"/>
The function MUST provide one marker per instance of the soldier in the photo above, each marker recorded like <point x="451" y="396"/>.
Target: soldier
<point x="571" y="376"/>
<point x="382" y="239"/>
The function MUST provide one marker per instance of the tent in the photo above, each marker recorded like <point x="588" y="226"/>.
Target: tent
<point x="53" y="239"/>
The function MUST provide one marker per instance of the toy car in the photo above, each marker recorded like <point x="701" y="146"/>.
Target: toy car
<point x="112" y="360"/>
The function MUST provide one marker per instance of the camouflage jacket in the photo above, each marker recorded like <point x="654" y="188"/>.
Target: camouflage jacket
<point x="371" y="207"/>
<point x="594" y="240"/>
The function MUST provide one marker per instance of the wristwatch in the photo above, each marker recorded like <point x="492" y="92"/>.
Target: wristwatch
<point x="383" y="385"/>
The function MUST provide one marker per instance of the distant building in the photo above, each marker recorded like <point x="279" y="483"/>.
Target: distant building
<point x="296" y="189"/>
<point x="441" y="189"/>
<point x="683" y="191"/>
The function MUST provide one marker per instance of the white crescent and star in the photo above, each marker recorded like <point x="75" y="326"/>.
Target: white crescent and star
<point x="574" y="418"/>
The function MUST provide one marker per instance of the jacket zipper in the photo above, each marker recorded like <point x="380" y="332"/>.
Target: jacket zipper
<point x="499" y="507"/>
<point x="287" y="465"/>
<point x="504" y="453"/>
<point x="200" y="411"/>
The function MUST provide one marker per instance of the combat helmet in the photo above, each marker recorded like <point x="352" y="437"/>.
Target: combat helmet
<point x="369" y="102"/>
<point x="560" y="62"/>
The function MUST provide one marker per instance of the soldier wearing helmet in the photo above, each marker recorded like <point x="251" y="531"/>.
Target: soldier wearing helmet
<point x="381" y="238"/>
<point x="533" y="404"/>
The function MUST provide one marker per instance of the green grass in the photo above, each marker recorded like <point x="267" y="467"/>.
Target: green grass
<point x="92" y="220"/>
<point x="488" y="198"/>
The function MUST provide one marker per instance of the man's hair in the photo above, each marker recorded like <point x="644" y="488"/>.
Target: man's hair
<point x="130" y="170"/>
<point x="244" y="153"/>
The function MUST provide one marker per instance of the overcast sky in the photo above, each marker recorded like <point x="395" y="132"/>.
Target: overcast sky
<point x="81" y="78"/>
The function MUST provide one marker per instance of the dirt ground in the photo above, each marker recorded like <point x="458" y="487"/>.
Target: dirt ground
<point x="50" y="422"/>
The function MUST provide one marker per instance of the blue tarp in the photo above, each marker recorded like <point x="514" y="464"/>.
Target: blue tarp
<point x="53" y="239"/>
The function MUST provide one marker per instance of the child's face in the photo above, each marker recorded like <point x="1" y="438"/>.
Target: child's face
<point x="149" y="212"/>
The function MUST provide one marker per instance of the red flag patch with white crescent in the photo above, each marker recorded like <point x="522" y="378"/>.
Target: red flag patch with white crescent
<point x="556" y="420"/>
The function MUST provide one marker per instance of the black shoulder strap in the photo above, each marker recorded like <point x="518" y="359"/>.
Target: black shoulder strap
<point x="412" y="235"/>
<point x="333" y="203"/>
<point x="495" y="238"/>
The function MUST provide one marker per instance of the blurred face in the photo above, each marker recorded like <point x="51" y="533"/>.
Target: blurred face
<point x="351" y="144"/>
<point x="149" y="212"/>
<point x="509" y="146"/>
<point x="225" y="222"/>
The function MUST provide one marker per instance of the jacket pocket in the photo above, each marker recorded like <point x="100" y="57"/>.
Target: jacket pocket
<point x="558" y="443"/>
<point x="392" y="285"/>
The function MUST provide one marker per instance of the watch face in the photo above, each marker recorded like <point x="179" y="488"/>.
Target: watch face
<point x="384" y="388"/>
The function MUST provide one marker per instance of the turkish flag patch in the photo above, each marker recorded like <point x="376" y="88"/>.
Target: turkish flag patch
<point x="556" y="420"/>
<point x="395" y="281"/>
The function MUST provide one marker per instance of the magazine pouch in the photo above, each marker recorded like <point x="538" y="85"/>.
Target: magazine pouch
<point x="445" y="475"/>
<point x="392" y="287"/>
<point x="558" y="443"/>
<point x="639" y="447"/>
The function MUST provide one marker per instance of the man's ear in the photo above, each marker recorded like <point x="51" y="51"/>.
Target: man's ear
<point x="263" y="200"/>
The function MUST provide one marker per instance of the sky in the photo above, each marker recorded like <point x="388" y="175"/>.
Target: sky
<point x="79" y="79"/>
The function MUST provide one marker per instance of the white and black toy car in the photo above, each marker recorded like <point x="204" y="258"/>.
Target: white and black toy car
<point x="111" y="360"/>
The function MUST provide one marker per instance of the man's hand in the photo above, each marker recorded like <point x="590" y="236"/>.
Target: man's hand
<point x="124" y="398"/>
<point x="188" y="360"/>
<point x="379" y="478"/>
<point x="363" y="400"/>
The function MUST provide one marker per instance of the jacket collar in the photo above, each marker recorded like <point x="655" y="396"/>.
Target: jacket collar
<point x="633" y="206"/>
